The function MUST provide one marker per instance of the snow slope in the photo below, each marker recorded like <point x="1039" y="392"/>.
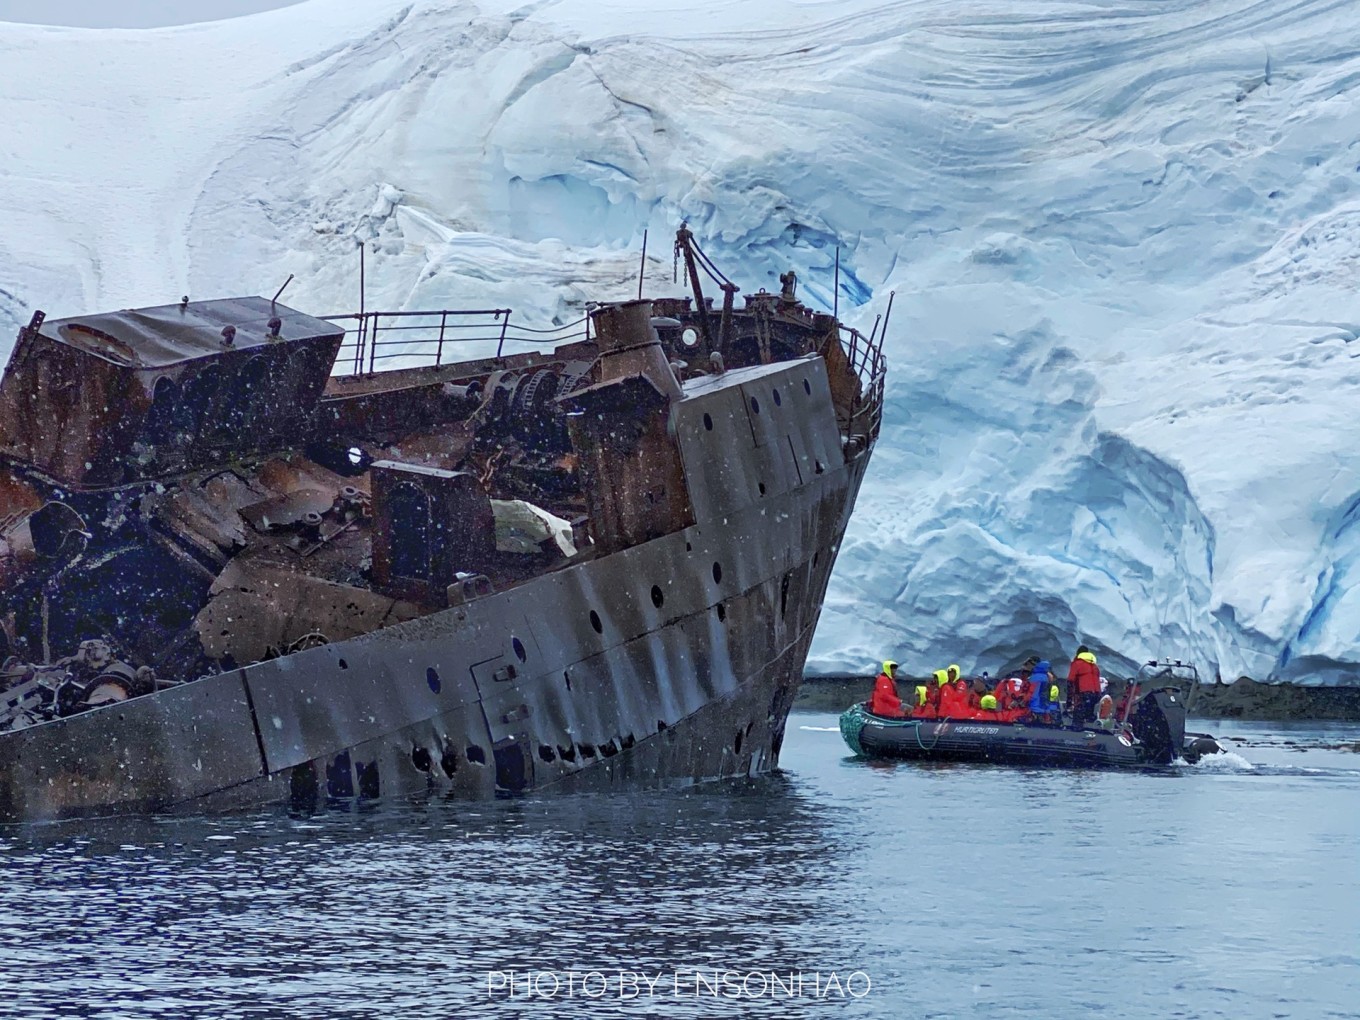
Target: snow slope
<point x="1123" y="236"/>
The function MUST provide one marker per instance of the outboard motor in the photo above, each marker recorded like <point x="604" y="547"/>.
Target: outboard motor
<point x="1158" y="720"/>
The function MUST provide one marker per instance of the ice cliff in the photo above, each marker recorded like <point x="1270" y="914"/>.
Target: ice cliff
<point x="1122" y="236"/>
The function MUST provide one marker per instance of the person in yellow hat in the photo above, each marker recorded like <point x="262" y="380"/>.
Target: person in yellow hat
<point x="884" y="700"/>
<point x="928" y="697"/>
<point x="1083" y="687"/>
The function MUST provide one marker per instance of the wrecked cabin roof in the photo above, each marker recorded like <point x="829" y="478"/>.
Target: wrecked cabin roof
<point x="172" y="334"/>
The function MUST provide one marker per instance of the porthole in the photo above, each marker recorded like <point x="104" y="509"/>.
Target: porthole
<point x="778" y="400"/>
<point x="722" y="613"/>
<point x="708" y="421"/>
<point x="736" y="744"/>
<point x="818" y="466"/>
<point x="432" y="678"/>
<point x="420" y="758"/>
<point x="344" y="664"/>
<point x="518" y="646"/>
<point x="807" y="387"/>
<point x="658" y="599"/>
<point x="689" y="337"/>
<point x="755" y="406"/>
<point x="717" y="573"/>
<point x="761" y="487"/>
<point x="595" y="622"/>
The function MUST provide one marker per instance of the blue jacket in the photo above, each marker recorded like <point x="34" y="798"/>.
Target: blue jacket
<point x="1039" y="702"/>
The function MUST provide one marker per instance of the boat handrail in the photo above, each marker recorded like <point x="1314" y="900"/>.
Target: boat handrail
<point x="420" y="337"/>
<point x="869" y="364"/>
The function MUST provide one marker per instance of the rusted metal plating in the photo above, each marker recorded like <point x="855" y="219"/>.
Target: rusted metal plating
<point x="196" y="516"/>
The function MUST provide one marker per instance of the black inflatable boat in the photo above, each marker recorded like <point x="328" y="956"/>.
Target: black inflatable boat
<point x="1153" y="734"/>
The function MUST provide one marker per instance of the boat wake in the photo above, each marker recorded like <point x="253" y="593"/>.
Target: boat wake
<point x="1231" y="763"/>
<point x="1225" y="761"/>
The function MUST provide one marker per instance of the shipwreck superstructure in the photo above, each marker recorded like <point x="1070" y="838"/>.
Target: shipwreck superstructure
<point x="242" y="560"/>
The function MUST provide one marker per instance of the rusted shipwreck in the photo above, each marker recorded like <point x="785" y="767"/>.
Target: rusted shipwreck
<point x="247" y="555"/>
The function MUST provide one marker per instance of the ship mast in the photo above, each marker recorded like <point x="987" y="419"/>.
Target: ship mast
<point x="695" y="259"/>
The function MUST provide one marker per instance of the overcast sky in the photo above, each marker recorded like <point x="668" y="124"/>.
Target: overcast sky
<point x="130" y="13"/>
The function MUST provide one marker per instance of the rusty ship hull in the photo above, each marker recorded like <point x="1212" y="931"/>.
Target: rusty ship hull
<point x="664" y="647"/>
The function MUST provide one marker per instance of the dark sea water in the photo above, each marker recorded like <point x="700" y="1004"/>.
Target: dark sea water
<point x="1229" y="889"/>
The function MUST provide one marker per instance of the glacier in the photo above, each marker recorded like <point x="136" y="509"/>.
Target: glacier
<point x="1122" y="237"/>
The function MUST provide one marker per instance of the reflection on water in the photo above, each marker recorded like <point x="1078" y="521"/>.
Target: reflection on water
<point x="1228" y="889"/>
<point x="415" y="906"/>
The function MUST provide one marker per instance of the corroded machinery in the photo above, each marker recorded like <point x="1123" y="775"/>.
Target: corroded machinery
<point x="242" y="561"/>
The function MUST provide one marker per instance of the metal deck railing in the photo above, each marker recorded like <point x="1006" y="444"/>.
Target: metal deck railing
<point x="379" y="341"/>
<point x="421" y="338"/>
<point x="867" y="361"/>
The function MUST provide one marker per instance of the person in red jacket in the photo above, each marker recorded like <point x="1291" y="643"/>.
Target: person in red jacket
<point x="954" y="700"/>
<point x="1083" y="687"/>
<point x="928" y="696"/>
<point x="977" y="688"/>
<point x="884" y="701"/>
<point x="1010" y="693"/>
<point x="1123" y="705"/>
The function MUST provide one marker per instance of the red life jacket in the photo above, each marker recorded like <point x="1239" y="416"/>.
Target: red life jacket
<point x="931" y="708"/>
<point x="954" y="701"/>
<point x="884" y="701"/>
<point x="1083" y="676"/>
<point x="1012" y="693"/>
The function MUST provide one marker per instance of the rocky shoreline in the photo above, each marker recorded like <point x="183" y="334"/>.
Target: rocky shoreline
<point x="1243" y="699"/>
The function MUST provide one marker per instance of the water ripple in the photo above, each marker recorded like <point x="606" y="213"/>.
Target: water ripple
<point x="955" y="891"/>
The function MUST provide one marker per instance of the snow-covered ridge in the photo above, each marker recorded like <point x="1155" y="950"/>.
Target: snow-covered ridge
<point x="1122" y="235"/>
